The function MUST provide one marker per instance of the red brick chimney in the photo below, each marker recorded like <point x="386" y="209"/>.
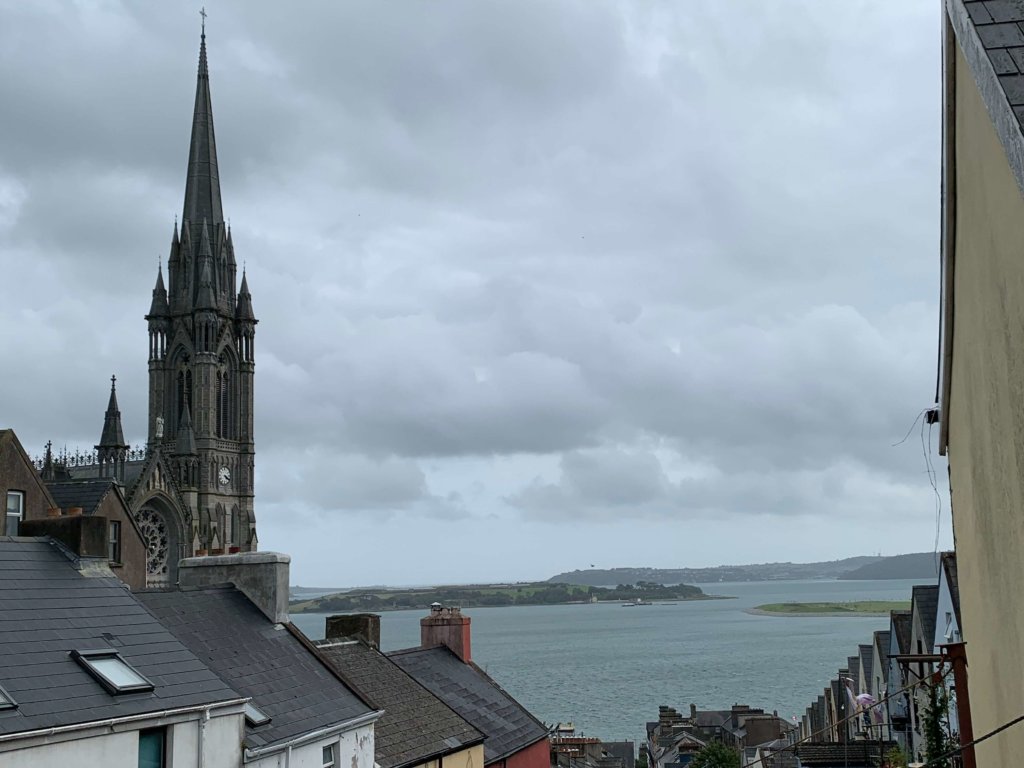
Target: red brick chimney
<point x="446" y="626"/>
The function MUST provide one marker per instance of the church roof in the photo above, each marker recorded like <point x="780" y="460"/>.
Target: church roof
<point x="49" y="610"/>
<point x="202" y="185"/>
<point x="287" y="680"/>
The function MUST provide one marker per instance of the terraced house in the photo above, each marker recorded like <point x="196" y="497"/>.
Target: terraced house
<point x="981" y="416"/>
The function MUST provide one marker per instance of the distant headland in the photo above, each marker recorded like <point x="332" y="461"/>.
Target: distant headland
<point x="921" y="565"/>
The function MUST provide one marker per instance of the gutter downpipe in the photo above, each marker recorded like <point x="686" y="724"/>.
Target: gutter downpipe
<point x="200" y="739"/>
<point x="287" y="746"/>
<point x="110" y="723"/>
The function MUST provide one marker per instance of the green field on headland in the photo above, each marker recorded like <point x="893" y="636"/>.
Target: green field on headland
<point x="476" y="595"/>
<point x="857" y="608"/>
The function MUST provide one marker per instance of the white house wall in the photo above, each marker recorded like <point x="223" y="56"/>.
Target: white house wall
<point x="354" y="749"/>
<point x="944" y="610"/>
<point x="222" y="746"/>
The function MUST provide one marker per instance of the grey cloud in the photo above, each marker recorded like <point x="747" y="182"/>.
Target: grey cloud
<point x="613" y="240"/>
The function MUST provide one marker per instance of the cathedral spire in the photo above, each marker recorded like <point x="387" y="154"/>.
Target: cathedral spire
<point x="113" y="436"/>
<point x="202" y="186"/>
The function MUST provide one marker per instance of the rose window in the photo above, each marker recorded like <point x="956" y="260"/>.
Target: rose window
<point x="154" y="533"/>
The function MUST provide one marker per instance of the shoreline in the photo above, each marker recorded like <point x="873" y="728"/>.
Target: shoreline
<point x="818" y="614"/>
<point x="521" y="605"/>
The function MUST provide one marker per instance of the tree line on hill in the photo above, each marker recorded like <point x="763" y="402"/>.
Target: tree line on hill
<point x="542" y="593"/>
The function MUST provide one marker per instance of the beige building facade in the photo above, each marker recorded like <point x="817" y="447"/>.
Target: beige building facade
<point x="981" y="380"/>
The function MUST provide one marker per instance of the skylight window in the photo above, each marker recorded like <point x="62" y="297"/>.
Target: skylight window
<point x="6" y="702"/>
<point x="112" y="672"/>
<point x="254" y="716"/>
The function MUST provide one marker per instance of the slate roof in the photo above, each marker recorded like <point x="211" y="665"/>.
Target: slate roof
<point x="286" y="679"/>
<point x="866" y="662"/>
<point x="86" y="494"/>
<point x="132" y="470"/>
<point x="416" y="725"/>
<point x="470" y="691"/>
<point x="1000" y="28"/>
<point x="900" y="622"/>
<point x="882" y="641"/>
<point x="48" y="609"/>
<point x="623" y="750"/>
<point x="854" y="754"/>
<point x="925" y="603"/>
<point x="853" y="672"/>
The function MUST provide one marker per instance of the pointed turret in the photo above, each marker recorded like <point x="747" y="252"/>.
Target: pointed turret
<point x="243" y="309"/>
<point x="112" y="450"/>
<point x="202" y="186"/>
<point x="186" y="445"/>
<point x="113" y="436"/>
<point x="159" y="306"/>
<point x="48" y="471"/>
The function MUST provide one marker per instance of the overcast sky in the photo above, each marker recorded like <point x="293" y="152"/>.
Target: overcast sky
<point x="540" y="284"/>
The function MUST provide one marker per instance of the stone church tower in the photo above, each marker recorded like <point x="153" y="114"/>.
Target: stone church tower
<point x="190" y="490"/>
<point x="201" y="357"/>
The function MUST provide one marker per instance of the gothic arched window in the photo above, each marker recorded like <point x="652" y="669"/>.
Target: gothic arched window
<point x="184" y="394"/>
<point x="225" y="412"/>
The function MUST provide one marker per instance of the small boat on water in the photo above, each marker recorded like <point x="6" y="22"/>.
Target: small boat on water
<point x="637" y="601"/>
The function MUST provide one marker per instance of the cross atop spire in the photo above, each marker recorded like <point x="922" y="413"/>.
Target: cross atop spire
<point x="202" y="185"/>
<point x="113" y="435"/>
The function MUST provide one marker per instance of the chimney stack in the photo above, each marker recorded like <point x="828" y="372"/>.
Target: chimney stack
<point x="446" y="626"/>
<point x="361" y="626"/>
<point x="693" y="713"/>
<point x="262" y="576"/>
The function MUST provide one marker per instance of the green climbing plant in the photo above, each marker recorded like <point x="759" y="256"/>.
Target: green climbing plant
<point x="716" y="755"/>
<point x="937" y="739"/>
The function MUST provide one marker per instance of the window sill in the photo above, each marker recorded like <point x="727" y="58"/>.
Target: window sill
<point x="112" y="564"/>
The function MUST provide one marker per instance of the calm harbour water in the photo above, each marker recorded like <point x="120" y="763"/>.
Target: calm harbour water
<point x="607" y="668"/>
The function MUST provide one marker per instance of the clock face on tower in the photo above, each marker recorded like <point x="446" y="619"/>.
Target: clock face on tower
<point x="224" y="475"/>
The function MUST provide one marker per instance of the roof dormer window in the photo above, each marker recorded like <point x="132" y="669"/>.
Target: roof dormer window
<point x="112" y="672"/>
<point x="6" y="702"/>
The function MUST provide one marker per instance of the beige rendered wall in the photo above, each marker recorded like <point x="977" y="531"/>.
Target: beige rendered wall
<point x="466" y="758"/>
<point x="986" y="421"/>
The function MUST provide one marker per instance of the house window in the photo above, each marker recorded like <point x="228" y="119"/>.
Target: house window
<point x="329" y="761"/>
<point x="152" y="748"/>
<point x="6" y="702"/>
<point x="255" y="717"/>
<point x="114" y="553"/>
<point x="15" y="511"/>
<point x="112" y="672"/>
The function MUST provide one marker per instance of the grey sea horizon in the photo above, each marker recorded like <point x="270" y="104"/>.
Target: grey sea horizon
<point x="607" y="668"/>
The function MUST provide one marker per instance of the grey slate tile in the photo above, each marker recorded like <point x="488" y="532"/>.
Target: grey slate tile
<point x="978" y="13"/>
<point x="1013" y="85"/>
<point x="1004" y="10"/>
<point x="1000" y="35"/>
<point x="1002" y="60"/>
